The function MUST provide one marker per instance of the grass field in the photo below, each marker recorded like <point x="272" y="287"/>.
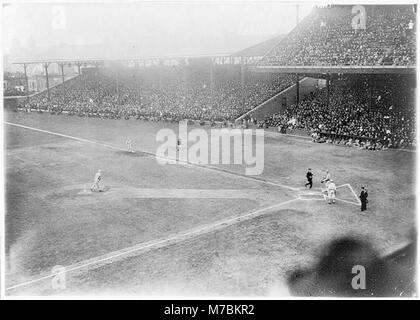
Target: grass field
<point x="181" y="229"/>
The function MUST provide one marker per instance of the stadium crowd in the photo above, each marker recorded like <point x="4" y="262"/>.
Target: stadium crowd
<point x="377" y="118"/>
<point x="336" y="35"/>
<point x="372" y="114"/>
<point x="154" y="96"/>
<point x="359" y="112"/>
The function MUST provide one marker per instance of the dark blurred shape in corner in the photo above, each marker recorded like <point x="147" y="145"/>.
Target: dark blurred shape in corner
<point x="392" y="275"/>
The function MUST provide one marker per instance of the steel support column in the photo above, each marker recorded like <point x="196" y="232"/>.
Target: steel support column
<point x="26" y="78"/>
<point x="48" y="81"/>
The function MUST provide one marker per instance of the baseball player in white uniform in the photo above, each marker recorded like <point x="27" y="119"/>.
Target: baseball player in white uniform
<point x="327" y="178"/>
<point x="129" y="145"/>
<point x="331" y="189"/>
<point x="96" y="180"/>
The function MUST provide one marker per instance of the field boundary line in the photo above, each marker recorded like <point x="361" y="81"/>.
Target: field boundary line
<point x="354" y="193"/>
<point x="346" y="201"/>
<point x="357" y="203"/>
<point x="151" y="154"/>
<point x="109" y="257"/>
<point x="181" y="236"/>
<point x="278" y="134"/>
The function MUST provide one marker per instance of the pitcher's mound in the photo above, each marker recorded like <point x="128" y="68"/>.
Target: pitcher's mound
<point x="88" y="192"/>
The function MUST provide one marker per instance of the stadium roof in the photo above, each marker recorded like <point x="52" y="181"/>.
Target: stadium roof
<point x="335" y="69"/>
<point x="260" y="49"/>
<point x="132" y="51"/>
<point x="97" y="60"/>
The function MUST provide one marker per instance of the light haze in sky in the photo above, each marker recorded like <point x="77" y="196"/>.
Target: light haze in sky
<point x="145" y="28"/>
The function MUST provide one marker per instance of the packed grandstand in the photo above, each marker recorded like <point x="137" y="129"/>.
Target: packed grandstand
<point x="369" y="111"/>
<point x="363" y="112"/>
<point x="157" y="94"/>
<point x="331" y="36"/>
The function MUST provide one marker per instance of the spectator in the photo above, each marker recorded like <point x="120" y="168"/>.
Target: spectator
<point x="328" y="37"/>
<point x="388" y="122"/>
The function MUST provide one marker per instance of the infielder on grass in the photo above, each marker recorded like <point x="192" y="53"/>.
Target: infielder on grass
<point x="129" y="145"/>
<point x="96" y="180"/>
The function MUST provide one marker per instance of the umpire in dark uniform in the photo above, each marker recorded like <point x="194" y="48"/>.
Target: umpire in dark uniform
<point x="309" y="177"/>
<point x="363" y="198"/>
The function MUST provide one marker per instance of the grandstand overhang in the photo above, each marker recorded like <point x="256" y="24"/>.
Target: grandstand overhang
<point x="335" y="69"/>
<point x="215" y="58"/>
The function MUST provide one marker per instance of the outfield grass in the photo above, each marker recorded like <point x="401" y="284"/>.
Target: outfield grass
<point x="50" y="221"/>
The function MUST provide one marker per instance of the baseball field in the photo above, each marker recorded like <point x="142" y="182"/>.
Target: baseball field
<point x="180" y="229"/>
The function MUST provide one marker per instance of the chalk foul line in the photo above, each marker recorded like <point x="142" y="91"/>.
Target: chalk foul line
<point x="112" y="256"/>
<point x="154" y="155"/>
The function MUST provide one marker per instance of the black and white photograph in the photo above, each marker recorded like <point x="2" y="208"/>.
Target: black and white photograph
<point x="209" y="150"/>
